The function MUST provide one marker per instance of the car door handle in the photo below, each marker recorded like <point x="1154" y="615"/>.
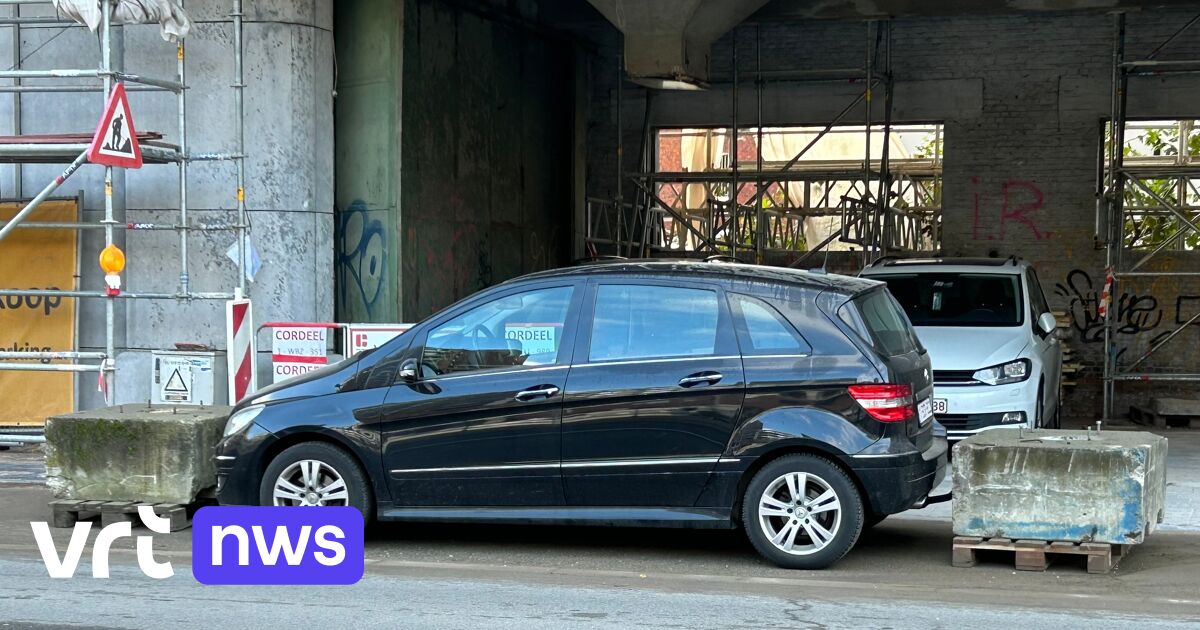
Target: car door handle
<point x="707" y="378"/>
<point x="540" y="392"/>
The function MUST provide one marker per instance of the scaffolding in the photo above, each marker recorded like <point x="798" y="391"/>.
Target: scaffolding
<point x="72" y="149"/>
<point x="756" y="208"/>
<point x="1120" y="177"/>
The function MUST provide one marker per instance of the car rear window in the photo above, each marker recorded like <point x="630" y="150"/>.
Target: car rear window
<point x="958" y="299"/>
<point x="877" y="317"/>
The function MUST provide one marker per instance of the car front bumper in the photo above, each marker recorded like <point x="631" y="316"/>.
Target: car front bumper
<point x="971" y="409"/>
<point x="239" y="465"/>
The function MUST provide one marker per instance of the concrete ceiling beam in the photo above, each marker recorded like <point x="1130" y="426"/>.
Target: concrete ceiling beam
<point x="667" y="42"/>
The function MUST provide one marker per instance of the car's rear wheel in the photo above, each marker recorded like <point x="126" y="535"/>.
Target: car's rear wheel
<point x="802" y="512"/>
<point x="316" y="474"/>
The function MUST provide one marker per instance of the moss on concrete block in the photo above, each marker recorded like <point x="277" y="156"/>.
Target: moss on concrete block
<point x="1106" y="487"/>
<point x="134" y="453"/>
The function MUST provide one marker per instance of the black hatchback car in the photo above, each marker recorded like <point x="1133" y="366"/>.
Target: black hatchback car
<point x="680" y="394"/>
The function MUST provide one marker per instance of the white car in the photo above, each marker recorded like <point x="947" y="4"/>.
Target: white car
<point x="997" y="362"/>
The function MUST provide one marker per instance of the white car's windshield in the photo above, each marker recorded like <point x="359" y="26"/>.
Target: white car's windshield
<point x="958" y="299"/>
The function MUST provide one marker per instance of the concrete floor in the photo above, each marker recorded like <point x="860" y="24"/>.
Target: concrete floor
<point x="520" y="577"/>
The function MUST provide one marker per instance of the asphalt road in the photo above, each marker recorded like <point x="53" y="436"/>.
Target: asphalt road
<point x="462" y="601"/>
<point x="474" y="576"/>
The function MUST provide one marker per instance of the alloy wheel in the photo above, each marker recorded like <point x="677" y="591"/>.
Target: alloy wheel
<point x="310" y="482"/>
<point x="799" y="513"/>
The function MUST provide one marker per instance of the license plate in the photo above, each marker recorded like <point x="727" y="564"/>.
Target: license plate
<point x="939" y="406"/>
<point x="925" y="411"/>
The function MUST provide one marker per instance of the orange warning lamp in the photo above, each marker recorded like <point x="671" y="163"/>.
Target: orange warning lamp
<point x="112" y="262"/>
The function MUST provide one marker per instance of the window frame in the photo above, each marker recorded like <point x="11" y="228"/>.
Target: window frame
<point x="566" y="344"/>
<point x="746" y="340"/>
<point x="725" y="344"/>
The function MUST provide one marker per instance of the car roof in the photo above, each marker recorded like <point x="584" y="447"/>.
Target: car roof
<point x="682" y="269"/>
<point x="1010" y="265"/>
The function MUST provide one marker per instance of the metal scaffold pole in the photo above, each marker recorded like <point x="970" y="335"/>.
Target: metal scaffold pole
<point x="760" y="231"/>
<point x="73" y="151"/>
<point x="108" y="368"/>
<point x="239" y="86"/>
<point x="731" y="222"/>
<point x="184" y="225"/>
<point x="1124" y="175"/>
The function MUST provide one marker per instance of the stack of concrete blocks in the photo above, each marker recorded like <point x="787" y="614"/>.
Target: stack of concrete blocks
<point x="155" y="454"/>
<point x="1079" y="486"/>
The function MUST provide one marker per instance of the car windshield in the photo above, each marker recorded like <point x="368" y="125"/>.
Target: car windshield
<point x="958" y="299"/>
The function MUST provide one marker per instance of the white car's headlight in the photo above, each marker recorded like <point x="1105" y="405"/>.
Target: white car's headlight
<point x="1011" y="372"/>
<point x="242" y="419"/>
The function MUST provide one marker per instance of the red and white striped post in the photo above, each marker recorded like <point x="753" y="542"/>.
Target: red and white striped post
<point x="239" y="318"/>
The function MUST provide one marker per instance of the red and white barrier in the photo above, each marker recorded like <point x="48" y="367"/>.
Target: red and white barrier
<point x="239" y="319"/>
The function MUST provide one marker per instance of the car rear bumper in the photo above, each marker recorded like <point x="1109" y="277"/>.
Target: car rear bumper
<point x="894" y="483"/>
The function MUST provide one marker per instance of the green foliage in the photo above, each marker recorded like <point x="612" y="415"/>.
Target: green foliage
<point x="1145" y="231"/>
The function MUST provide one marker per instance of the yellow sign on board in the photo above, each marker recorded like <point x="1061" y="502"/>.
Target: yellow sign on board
<point x="37" y="259"/>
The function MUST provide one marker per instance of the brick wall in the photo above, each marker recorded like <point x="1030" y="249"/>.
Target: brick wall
<point x="1022" y="97"/>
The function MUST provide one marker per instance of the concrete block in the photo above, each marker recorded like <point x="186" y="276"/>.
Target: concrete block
<point x="158" y="454"/>
<point x="1105" y="487"/>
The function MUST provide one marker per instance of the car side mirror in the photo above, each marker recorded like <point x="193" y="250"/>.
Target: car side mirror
<point x="408" y="371"/>
<point x="1047" y="323"/>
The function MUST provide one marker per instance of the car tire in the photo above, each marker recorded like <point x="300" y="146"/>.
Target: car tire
<point x="1039" y="420"/>
<point x="1058" y="410"/>
<point x="795" y="537"/>
<point x="317" y="473"/>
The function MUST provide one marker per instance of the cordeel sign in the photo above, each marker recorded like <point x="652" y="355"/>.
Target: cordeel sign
<point x="277" y="545"/>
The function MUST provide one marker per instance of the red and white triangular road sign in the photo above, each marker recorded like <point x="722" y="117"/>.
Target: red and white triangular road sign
<point x="115" y="142"/>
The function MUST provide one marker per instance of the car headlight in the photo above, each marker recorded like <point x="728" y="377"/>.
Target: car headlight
<point x="242" y="419"/>
<point x="1011" y="372"/>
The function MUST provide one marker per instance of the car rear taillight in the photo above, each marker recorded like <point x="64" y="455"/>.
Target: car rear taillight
<point x="885" y="402"/>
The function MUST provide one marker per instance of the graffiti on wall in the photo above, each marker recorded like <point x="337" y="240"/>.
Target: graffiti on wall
<point x="1135" y="312"/>
<point x="361" y="263"/>
<point x="1019" y="204"/>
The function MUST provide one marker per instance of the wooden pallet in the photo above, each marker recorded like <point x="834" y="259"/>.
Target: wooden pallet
<point x="65" y="513"/>
<point x="1148" y="417"/>
<point x="1031" y="555"/>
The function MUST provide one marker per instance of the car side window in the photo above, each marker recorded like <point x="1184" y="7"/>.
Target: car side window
<point x="645" y="322"/>
<point x="522" y="329"/>
<point x="763" y="330"/>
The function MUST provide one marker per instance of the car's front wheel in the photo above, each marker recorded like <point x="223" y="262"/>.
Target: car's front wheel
<point x="316" y="474"/>
<point x="802" y="512"/>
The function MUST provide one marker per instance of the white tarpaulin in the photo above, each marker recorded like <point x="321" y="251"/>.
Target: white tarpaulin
<point x="170" y="16"/>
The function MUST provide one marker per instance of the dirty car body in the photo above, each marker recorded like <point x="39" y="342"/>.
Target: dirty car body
<point x="630" y="393"/>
